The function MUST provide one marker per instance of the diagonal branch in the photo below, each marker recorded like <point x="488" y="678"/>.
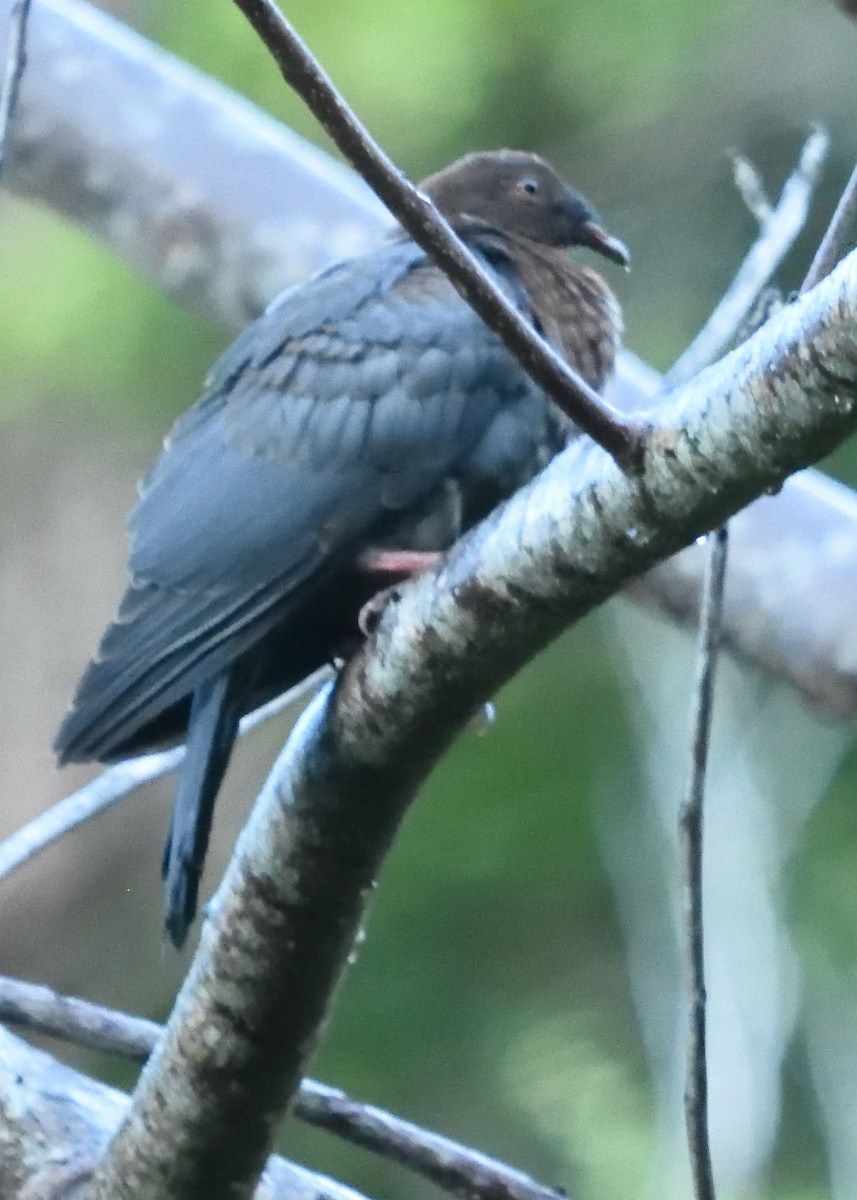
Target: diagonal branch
<point x="621" y="436"/>
<point x="288" y="912"/>
<point x="835" y="236"/>
<point x="779" y="226"/>
<point x="16" y="57"/>
<point x="120" y="781"/>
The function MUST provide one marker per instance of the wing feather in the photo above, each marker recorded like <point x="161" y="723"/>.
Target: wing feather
<point x="353" y="397"/>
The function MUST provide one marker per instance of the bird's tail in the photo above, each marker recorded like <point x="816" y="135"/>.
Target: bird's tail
<point x="213" y="725"/>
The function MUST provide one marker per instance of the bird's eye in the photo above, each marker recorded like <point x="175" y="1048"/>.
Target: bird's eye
<point x="529" y="185"/>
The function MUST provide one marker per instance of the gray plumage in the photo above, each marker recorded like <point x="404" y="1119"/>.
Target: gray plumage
<point x="367" y="409"/>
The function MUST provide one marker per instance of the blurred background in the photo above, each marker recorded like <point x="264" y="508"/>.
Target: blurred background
<point x="519" y="985"/>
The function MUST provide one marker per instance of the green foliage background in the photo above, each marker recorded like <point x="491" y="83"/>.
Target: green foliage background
<point x="491" y="998"/>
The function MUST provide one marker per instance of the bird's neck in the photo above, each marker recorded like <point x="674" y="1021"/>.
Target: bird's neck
<point x="573" y="306"/>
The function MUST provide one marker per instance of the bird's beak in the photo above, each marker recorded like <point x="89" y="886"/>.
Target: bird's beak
<point x="598" y="239"/>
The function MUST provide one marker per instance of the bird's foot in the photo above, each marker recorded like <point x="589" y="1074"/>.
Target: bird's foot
<point x="370" y="613"/>
<point x="406" y="563"/>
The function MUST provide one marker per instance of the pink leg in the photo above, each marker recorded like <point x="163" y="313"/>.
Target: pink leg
<point x="398" y="562"/>
<point x="407" y="563"/>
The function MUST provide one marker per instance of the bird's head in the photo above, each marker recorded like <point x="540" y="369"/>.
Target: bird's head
<point x="519" y="193"/>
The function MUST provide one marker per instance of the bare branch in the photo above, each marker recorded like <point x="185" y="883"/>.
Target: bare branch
<point x="285" y="919"/>
<point x="691" y="812"/>
<point x="791" y="563"/>
<point x="836" y="235"/>
<point x="16" y="58"/>
<point x="823" y="262"/>
<point x="55" y="1123"/>
<point x="691" y="829"/>
<point x="42" y="1010"/>
<point x="779" y="229"/>
<point x="459" y="1170"/>
<point x="620" y="436"/>
<point x="120" y="781"/>
<point x="157" y="191"/>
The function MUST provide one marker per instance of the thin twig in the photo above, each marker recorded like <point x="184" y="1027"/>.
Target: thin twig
<point x="751" y="185"/>
<point x="777" y="235"/>
<point x="620" y="436"/>
<point x="93" y="1026"/>
<point x="833" y="242"/>
<point x="116" y="783"/>
<point x="690" y="824"/>
<point x="16" y="60"/>
<point x="691" y="815"/>
<point x="455" y="1168"/>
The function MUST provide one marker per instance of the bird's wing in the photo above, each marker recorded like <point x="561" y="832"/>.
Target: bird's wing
<point x="351" y="399"/>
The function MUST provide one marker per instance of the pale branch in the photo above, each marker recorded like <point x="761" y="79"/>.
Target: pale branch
<point x="55" y="1124"/>
<point x="836" y="235"/>
<point x="211" y="200"/>
<point x="285" y="920"/>
<point x="779" y="227"/>
<point x="16" y="57"/>
<point x="691" y="824"/>
<point x="691" y="812"/>
<point x="455" y="1168"/>
<point x="792" y="563"/>
<point x="752" y="188"/>
<point x="220" y="206"/>
<point x="120" y="781"/>
<point x="822" y="263"/>
<point x="718" y="331"/>
<point x="691" y="840"/>
<point x="40" y="1009"/>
